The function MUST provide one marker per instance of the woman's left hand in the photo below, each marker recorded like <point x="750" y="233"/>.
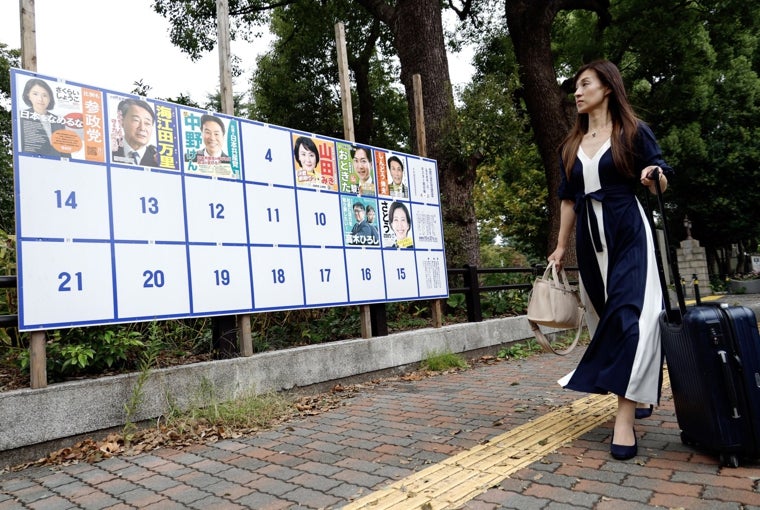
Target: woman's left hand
<point x="649" y="182"/>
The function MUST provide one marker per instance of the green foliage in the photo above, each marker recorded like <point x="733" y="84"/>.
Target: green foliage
<point x="519" y="350"/>
<point x="445" y="360"/>
<point x="295" y="83"/>
<point x="80" y="351"/>
<point x="147" y="362"/>
<point x="510" y="192"/>
<point x="8" y="58"/>
<point x="8" y="297"/>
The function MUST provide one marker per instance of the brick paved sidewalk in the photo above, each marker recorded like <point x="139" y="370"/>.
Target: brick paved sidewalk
<point x="389" y="431"/>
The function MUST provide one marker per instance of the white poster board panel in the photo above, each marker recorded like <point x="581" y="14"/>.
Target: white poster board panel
<point x="324" y="274"/>
<point x="365" y="275"/>
<point x="63" y="199"/>
<point x="427" y="231"/>
<point x="277" y="278"/>
<point x="277" y="219"/>
<point x="272" y="216"/>
<point x="215" y="211"/>
<point x="73" y="280"/>
<point x="431" y="268"/>
<point x="267" y="154"/>
<point x="424" y="181"/>
<point x="221" y="279"/>
<point x="151" y="280"/>
<point x="147" y="205"/>
<point x="319" y="218"/>
<point x="400" y="274"/>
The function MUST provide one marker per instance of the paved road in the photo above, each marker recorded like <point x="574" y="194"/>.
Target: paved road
<point x="415" y="438"/>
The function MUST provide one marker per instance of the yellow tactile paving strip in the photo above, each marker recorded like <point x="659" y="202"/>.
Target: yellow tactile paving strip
<point x="458" y="479"/>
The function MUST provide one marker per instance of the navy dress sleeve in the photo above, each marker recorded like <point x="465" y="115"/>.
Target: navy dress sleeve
<point x="649" y="153"/>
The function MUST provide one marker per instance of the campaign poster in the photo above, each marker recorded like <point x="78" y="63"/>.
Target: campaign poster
<point x="356" y="169"/>
<point x="396" y="224"/>
<point x="59" y="120"/>
<point x="393" y="180"/>
<point x="315" y="163"/>
<point x="360" y="221"/>
<point x="142" y="132"/>
<point x="211" y="145"/>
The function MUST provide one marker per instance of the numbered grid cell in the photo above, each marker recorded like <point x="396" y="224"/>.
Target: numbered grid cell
<point x="221" y="279"/>
<point x="431" y="268"/>
<point x="65" y="283"/>
<point x="267" y="154"/>
<point x="272" y="215"/>
<point x="400" y="274"/>
<point x="215" y="211"/>
<point x="427" y="231"/>
<point x="324" y="274"/>
<point x="62" y="199"/>
<point x="365" y="275"/>
<point x="319" y="219"/>
<point x="151" y="280"/>
<point x="147" y="206"/>
<point x="423" y="180"/>
<point x="277" y="279"/>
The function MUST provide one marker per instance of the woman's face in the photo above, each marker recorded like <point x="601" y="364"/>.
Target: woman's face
<point x="307" y="158"/>
<point x="400" y="224"/>
<point x="589" y="92"/>
<point x="361" y="164"/>
<point x="39" y="98"/>
<point x="370" y="216"/>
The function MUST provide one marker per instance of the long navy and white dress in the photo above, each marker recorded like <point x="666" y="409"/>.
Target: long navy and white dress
<point x="619" y="281"/>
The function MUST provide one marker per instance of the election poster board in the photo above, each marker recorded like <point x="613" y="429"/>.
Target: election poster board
<point x="132" y="209"/>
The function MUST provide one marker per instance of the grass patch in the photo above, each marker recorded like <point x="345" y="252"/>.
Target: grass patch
<point x="250" y="411"/>
<point x="440" y="361"/>
<point x="522" y="350"/>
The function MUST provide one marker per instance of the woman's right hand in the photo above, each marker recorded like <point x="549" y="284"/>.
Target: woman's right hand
<point x="558" y="256"/>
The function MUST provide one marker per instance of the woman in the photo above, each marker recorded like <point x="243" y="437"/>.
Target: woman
<point x="38" y="123"/>
<point x="603" y="158"/>
<point x="307" y="157"/>
<point x="401" y="224"/>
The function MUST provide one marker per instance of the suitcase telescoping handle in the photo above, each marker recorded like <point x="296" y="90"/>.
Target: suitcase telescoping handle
<point x="672" y="262"/>
<point x="728" y="376"/>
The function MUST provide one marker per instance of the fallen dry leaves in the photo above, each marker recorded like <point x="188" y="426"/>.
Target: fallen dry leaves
<point x="180" y="434"/>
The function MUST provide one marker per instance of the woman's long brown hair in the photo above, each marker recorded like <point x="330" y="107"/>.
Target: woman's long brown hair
<point x="624" y="121"/>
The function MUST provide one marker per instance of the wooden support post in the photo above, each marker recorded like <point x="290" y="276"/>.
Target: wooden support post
<point x="365" y="313"/>
<point x="245" y="343"/>
<point x="37" y="354"/>
<point x="37" y="361"/>
<point x="436" y="306"/>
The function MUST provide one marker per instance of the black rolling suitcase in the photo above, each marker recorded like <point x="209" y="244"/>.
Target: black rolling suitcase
<point x="712" y="353"/>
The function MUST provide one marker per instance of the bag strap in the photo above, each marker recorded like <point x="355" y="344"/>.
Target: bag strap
<point x="547" y="346"/>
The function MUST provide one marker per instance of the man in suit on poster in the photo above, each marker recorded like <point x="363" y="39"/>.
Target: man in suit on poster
<point x="138" y="121"/>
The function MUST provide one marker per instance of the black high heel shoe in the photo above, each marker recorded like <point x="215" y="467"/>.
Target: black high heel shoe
<point x="621" y="452"/>
<point x="644" y="412"/>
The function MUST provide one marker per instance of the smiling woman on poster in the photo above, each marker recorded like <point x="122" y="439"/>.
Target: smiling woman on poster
<point x="401" y="224"/>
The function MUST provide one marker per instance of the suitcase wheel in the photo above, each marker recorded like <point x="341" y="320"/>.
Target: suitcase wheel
<point x="685" y="439"/>
<point x="729" y="460"/>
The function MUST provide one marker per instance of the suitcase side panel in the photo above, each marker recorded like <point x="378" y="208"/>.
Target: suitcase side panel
<point x="746" y="345"/>
<point x="697" y="379"/>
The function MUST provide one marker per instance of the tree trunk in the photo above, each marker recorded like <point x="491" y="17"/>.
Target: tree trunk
<point x="417" y="27"/>
<point x="551" y="114"/>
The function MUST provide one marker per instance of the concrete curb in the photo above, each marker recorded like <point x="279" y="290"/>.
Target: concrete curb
<point x="69" y="409"/>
